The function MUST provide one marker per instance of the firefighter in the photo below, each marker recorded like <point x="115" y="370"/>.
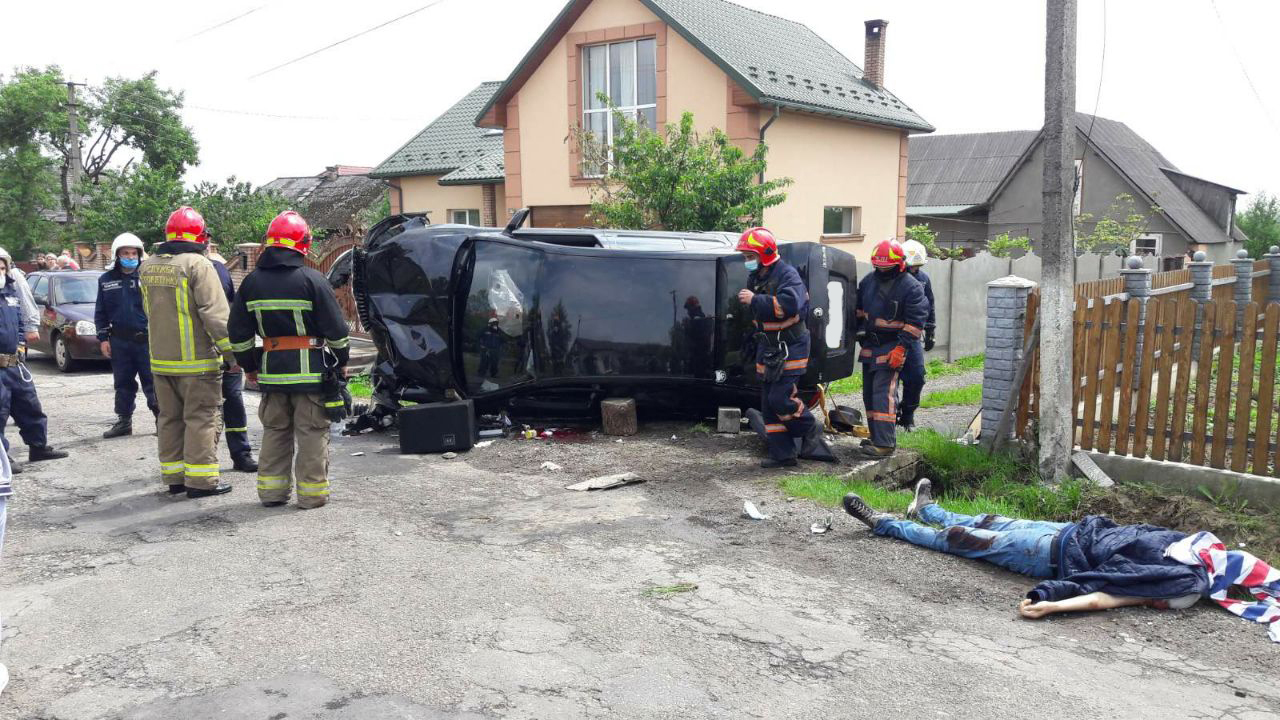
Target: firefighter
<point x="913" y="371"/>
<point x="299" y="366"/>
<point x="24" y="404"/>
<point x="233" y="413"/>
<point x="891" y="312"/>
<point x="187" y="319"/>
<point x="779" y="305"/>
<point x="121" y="321"/>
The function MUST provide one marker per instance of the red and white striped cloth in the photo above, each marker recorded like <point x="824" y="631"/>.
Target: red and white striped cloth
<point x="1234" y="567"/>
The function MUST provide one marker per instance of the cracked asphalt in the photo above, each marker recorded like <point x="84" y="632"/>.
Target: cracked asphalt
<point x="479" y="588"/>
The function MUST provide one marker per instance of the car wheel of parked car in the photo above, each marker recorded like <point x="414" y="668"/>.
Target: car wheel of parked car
<point x="62" y="355"/>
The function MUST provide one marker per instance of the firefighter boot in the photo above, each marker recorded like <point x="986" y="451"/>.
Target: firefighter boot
<point x="244" y="463"/>
<point x="123" y="426"/>
<point x="220" y="489"/>
<point x="36" y="453"/>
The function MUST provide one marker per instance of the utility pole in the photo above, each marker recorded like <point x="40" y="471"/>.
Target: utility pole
<point x="75" y="164"/>
<point x="1058" y="273"/>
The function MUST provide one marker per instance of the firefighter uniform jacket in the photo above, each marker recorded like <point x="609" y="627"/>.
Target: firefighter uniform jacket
<point x="119" y="308"/>
<point x="930" y="321"/>
<point x="285" y="300"/>
<point x="891" y="311"/>
<point x="186" y="311"/>
<point x="780" y="308"/>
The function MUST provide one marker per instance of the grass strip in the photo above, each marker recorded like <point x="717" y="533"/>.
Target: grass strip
<point x="967" y="395"/>
<point x="852" y="385"/>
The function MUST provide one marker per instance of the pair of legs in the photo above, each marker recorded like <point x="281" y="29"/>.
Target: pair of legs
<point x="880" y="398"/>
<point x="295" y="448"/>
<point x="187" y="431"/>
<point x="786" y="419"/>
<point x="1022" y="546"/>
<point x="912" y="384"/>
<point x="24" y="407"/>
<point x="131" y="367"/>
<point x="235" y="417"/>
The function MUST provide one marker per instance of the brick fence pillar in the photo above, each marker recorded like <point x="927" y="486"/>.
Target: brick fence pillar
<point x="1137" y="283"/>
<point x="1242" y="293"/>
<point x="1273" y="280"/>
<point x="489" y="203"/>
<point x="1006" y="318"/>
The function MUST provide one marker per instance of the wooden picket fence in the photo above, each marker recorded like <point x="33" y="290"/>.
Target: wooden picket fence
<point x="1176" y="381"/>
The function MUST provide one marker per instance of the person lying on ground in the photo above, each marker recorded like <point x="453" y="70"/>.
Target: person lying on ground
<point x="1093" y="564"/>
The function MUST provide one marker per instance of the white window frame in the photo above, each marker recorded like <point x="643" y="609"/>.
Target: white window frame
<point x="467" y="212"/>
<point x="851" y="225"/>
<point x="1157" y="237"/>
<point x="632" y="110"/>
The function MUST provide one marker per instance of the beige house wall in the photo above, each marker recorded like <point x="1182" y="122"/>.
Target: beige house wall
<point x="424" y="193"/>
<point x="835" y="163"/>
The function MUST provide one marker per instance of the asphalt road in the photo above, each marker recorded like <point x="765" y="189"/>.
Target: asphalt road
<point x="480" y="588"/>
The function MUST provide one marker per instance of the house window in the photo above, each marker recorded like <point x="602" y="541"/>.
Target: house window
<point x="841" y="221"/>
<point x="1149" y="244"/>
<point x="627" y="74"/>
<point x="464" y="217"/>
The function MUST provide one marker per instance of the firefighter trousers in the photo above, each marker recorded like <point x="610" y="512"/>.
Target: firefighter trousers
<point x="912" y="383"/>
<point x="880" y="398"/>
<point x="187" y="429"/>
<point x="293" y="424"/>
<point x="786" y="419"/>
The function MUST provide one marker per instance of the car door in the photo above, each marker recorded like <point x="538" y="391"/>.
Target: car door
<point x="40" y="292"/>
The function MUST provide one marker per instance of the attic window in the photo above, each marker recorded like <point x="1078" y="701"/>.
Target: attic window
<point x="625" y="72"/>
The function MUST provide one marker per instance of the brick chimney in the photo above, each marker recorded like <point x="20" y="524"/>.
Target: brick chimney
<point x="873" y="66"/>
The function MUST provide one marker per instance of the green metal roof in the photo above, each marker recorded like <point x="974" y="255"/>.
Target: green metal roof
<point x="778" y="61"/>
<point x="448" y="143"/>
<point x="483" y="171"/>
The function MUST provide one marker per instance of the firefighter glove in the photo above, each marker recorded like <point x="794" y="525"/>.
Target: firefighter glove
<point x="928" y="340"/>
<point x="897" y="357"/>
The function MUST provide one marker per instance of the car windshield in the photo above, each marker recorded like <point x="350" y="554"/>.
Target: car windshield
<point x="75" y="290"/>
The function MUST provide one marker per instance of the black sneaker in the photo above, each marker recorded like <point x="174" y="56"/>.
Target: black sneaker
<point x="924" y="496"/>
<point x="221" y="489"/>
<point x="770" y="463"/>
<point x="855" y="506"/>
<point x="36" y="453"/>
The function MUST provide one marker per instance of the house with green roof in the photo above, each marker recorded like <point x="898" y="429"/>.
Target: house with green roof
<point x="831" y="126"/>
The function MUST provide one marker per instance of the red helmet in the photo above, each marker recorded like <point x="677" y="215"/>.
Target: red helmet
<point x="889" y="253"/>
<point x="186" y="225"/>
<point x="760" y="241"/>
<point x="289" y="230"/>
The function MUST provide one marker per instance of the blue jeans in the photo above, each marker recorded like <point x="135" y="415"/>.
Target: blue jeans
<point x="1022" y="546"/>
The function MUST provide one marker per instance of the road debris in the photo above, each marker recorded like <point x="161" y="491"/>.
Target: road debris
<point x="606" y="482"/>
<point x="550" y="466"/>
<point x="664" y="591"/>
<point x="483" y="444"/>
<point x="357" y="454"/>
<point x="449" y="455"/>
<point x="749" y="509"/>
<point x="821" y="526"/>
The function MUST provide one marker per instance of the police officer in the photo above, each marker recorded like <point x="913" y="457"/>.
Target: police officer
<point x="122" y="331"/>
<point x="891" y="311"/>
<point x="233" y="414"/>
<point x="187" y="315"/>
<point x="304" y="349"/>
<point x="24" y="403"/>
<point x="779" y="304"/>
<point x="913" y="371"/>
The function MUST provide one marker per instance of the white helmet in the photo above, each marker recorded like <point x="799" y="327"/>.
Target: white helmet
<point x="126" y="240"/>
<point x="916" y="254"/>
<point x="6" y="257"/>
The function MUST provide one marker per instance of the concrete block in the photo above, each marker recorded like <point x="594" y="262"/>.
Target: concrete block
<point x="898" y="470"/>
<point x="729" y="420"/>
<point x="618" y="416"/>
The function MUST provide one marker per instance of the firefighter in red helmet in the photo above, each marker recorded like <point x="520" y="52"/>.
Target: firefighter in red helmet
<point x="778" y="302"/>
<point x="298" y="368"/>
<point x="891" y="314"/>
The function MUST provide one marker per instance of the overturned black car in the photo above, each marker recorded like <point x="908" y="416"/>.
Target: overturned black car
<point x="545" y="323"/>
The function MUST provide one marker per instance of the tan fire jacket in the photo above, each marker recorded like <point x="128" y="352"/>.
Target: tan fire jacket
<point x="186" y="311"/>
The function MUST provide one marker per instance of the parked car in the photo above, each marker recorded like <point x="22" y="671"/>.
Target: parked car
<point x="66" y="300"/>
<point x="547" y="322"/>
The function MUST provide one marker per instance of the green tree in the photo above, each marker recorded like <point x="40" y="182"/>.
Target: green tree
<point x="137" y="199"/>
<point x="27" y="180"/>
<point x="677" y="179"/>
<point x="237" y="212"/>
<point x="925" y="235"/>
<point x="1261" y="222"/>
<point x="1117" y="229"/>
<point x="1003" y="246"/>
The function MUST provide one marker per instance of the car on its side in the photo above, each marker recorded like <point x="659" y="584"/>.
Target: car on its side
<point x="66" y="299"/>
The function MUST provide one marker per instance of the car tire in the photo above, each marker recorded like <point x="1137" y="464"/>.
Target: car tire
<point x="62" y="355"/>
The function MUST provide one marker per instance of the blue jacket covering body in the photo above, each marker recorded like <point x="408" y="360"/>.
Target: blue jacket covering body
<point x="891" y="311"/>
<point x="931" y="319"/>
<point x="119" y="304"/>
<point x="1096" y="555"/>
<point x="781" y="307"/>
<point x="11" y="322"/>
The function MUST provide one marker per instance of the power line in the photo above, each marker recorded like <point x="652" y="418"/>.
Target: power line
<point x="227" y="22"/>
<point x="1243" y="70"/>
<point x="346" y="39"/>
<point x="146" y="101"/>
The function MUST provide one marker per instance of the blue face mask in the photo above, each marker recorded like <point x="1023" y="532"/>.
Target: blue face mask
<point x="752" y="265"/>
<point x="130" y="263"/>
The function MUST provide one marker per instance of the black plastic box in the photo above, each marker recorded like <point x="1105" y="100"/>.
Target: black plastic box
<point x="437" y="427"/>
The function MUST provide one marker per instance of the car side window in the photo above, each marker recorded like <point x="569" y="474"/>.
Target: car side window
<point x="40" y="289"/>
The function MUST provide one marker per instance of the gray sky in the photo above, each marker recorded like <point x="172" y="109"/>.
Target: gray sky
<point x="1173" y="72"/>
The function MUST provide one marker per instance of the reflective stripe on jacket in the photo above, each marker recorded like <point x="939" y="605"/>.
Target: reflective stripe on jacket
<point x="186" y="311"/>
<point x="891" y="311"/>
<point x="781" y="301"/>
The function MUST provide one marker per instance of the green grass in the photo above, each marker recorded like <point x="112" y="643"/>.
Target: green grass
<point x="360" y="386"/>
<point x="665" y="591"/>
<point x="967" y="395"/>
<point x="829" y="489"/>
<point x="852" y="385"/>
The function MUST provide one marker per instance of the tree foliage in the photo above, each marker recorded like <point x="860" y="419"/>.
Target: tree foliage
<point x="677" y="179"/>
<point x="27" y="179"/>
<point x="1123" y="222"/>
<point x="925" y="235"/>
<point x="1261" y="222"/>
<point x="1003" y="245"/>
<point x="237" y="212"/>
<point x="137" y="199"/>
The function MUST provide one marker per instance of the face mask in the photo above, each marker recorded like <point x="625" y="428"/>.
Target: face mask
<point x="4" y="278"/>
<point x="752" y="265"/>
<point x="887" y="272"/>
<point x="130" y="263"/>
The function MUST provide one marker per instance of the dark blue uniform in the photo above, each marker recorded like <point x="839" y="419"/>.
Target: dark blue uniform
<point x="891" y="311"/>
<point x="121" y="319"/>
<point x="780" y="308"/>
<point x="913" y="371"/>
<point x="11" y="332"/>
<point x="233" y="414"/>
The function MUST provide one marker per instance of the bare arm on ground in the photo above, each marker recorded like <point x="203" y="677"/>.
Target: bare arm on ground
<point x="1079" y="603"/>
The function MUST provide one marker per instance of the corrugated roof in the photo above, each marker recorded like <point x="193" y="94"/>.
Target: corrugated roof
<point x="489" y="169"/>
<point x="330" y="202"/>
<point x="778" y="61"/>
<point x="961" y="170"/>
<point x="449" y="142"/>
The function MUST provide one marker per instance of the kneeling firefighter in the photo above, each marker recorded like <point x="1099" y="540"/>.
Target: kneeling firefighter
<point x="779" y="305"/>
<point x="891" y="314"/>
<point x="299" y="367"/>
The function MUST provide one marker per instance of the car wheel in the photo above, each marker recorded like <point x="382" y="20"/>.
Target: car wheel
<point x="62" y="355"/>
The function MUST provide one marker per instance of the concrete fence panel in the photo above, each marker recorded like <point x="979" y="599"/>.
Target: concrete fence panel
<point x="968" y="292"/>
<point x="1027" y="267"/>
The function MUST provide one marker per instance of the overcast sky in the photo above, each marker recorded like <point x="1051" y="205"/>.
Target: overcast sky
<point x="1173" y="72"/>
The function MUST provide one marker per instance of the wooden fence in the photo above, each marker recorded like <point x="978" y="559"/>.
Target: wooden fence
<point x="1174" y="380"/>
<point x="346" y="299"/>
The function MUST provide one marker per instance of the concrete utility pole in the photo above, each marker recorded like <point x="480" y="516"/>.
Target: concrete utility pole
<point x="75" y="164"/>
<point x="1058" y="273"/>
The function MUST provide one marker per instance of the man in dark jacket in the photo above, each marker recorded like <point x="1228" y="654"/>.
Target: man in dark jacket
<point x="913" y="373"/>
<point x="1090" y="565"/>
<point x="234" y="418"/>
<point x="121" y="321"/>
<point x="298" y="368"/>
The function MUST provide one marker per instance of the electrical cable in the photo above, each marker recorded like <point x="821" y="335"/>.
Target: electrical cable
<point x="226" y="22"/>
